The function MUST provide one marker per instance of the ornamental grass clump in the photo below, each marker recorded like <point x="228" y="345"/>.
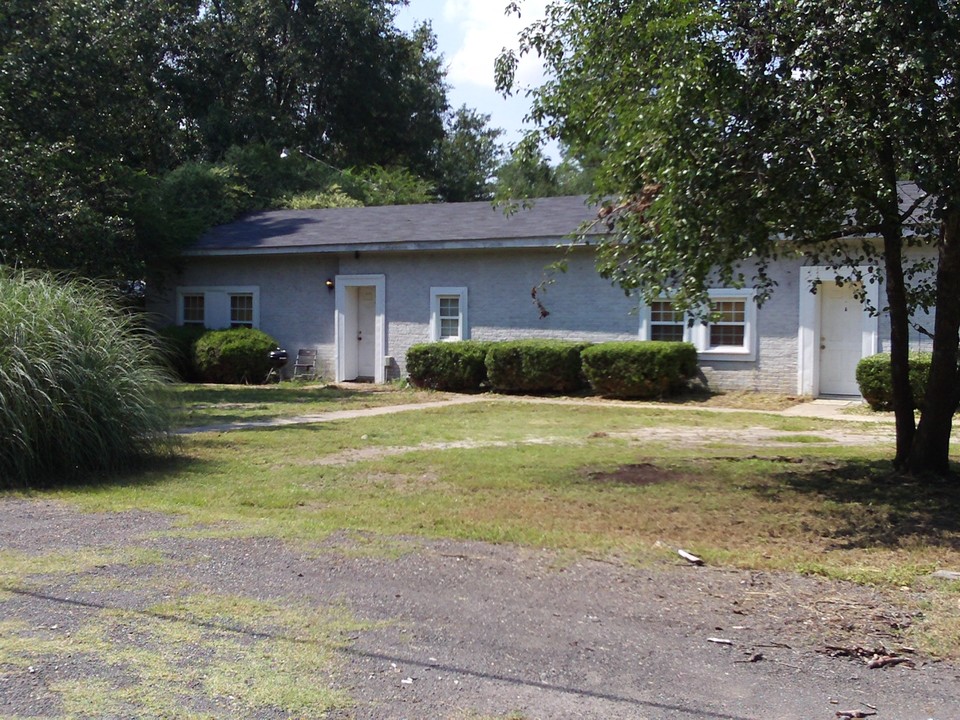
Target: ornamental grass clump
<point x="81" y="385"/>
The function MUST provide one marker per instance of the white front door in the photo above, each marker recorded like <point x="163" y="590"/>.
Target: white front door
<point x="841" y="343"/>
<point x="366" y="329"/>
<point x="361" y="327"/>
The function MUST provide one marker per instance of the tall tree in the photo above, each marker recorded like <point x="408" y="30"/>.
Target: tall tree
<point x="528" y="174"/>
<point x="83" y="110"/>
<point x="100" y="99"/>
<point x="733" y="133"/>
<point x="333" y="76"/>
<point x="468" y="157"/>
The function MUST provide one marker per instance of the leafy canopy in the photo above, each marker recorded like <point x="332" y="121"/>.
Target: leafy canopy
<point x="127" y="127"/>
<point x="731" y="133"/>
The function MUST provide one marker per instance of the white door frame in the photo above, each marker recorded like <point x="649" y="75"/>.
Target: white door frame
<point x="347" y="306"/>
<point x="808" y="341"/>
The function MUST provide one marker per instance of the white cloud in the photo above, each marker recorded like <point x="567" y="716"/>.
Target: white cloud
<point x="486" y="31"/>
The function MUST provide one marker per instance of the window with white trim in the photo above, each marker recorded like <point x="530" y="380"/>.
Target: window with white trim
<point x="241" y="310"/>
<point x="448" y="314"/>
<point x="665" y="322"/>
<point x="192" y="310"/>
<point x="219" y="306"/>
<point x="728" y="323"/>
<point x="729" y="332"/>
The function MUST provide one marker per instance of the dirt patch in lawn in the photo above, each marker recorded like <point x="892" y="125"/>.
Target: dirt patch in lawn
<point x="686" y="436"/>
<point x="756" y="436"/>
<point x="636" y="474"/>
<point x="369" y="454"/>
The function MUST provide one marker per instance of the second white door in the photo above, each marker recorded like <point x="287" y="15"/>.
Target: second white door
<point x="841" y="344"/>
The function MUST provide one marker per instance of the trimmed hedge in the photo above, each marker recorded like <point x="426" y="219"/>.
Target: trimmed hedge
<point x="876" y="384"/>
<point x="177" y="347"/>
<point x="452" y="366"/>
<point x="535" y="366"/>
<point x="639" y="369"/>
<point x="239" y="355"/>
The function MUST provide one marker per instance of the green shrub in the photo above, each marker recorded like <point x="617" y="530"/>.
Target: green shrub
<point x="197" y="196"/>
<point x="177" y="347"/>
<point x="81" y="384"/>
<point x="451" y="366"/>
<point x="535" y="366"/>
<point x="240" y="355"/>
<point x="875" y="379"/>
<point x="639" y="369"/>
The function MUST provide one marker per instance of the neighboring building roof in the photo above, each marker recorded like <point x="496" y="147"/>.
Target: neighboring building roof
<point x="398" y="227"/>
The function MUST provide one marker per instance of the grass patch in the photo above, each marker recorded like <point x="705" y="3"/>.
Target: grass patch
<point x="15" y="566"/>
<point x="739" y="400"/>
<point x="235" y="656"/>
<point x="576" y="479"/>
<point x="802" y="439"/>
<point x="506" y="472"/>
<point x="200" y="405"/>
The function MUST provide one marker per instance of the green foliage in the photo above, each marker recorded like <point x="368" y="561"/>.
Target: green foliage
<point x="528" y="174"/>
<point x="197" y="196"/>
<point x="129" y="128"/>
<point x="535" y="366"/>
<point x="452" y="366"/>
<point x="731" y="134"/>
<point x="80" y="383"/>
<point x="238" y="355"/>
<point x="713" y="123"/>
<point x="336" y="78"/>
<point x="376" y="185"/>
<point x="334" y="197"/>
<point x="639" y="369"/>
<point x="177" y="344"/>
<point x="267" y="174"/>
<point x="875" y="379"/>
<point x="468" y="158"/>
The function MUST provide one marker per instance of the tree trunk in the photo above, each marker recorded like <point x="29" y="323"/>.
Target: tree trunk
<point x="931" y="446"/>
<point x="899" y="343"/>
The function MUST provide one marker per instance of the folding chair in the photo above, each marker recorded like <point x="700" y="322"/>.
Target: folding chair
<point x="306" y="364"/>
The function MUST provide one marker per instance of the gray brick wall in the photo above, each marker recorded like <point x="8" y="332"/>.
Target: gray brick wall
<point x="295" y="306"/>
<point x="582" y="305"/>
<point x="299" y="311"/>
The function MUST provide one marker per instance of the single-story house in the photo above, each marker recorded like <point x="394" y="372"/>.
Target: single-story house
<point x="361" y="285"/>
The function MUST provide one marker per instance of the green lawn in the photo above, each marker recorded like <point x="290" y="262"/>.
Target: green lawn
<point x="746" y="490"/>
<point x="199" y="405"/>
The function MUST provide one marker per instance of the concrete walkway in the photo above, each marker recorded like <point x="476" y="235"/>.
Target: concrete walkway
<point x="826" y="409"/>
<point x="329" y="416"/>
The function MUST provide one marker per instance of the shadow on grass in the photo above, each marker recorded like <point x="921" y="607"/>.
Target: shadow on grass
<point x="873" y="506"/>
<point x="283" y="393"/>
<point x="147" y="472"/>
<point x="215" y="405"/>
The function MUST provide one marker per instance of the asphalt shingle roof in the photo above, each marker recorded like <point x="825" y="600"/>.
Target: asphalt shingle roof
<point x="550" y="219"/>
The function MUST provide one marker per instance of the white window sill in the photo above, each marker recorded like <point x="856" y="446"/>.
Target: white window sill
<point x="728" y="355"/>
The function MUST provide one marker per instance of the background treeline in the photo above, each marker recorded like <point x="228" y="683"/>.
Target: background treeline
<point x="127" y="127"/>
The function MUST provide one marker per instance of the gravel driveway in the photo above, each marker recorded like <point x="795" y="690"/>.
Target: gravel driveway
<point x="471" y="630"/>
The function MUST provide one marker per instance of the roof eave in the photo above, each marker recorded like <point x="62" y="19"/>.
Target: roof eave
<point x="413" y="246"/>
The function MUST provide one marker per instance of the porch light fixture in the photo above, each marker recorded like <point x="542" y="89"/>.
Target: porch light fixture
<point x="330" y="285"/>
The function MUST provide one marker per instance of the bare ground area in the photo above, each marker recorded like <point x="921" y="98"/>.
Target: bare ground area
<point x="440" y="629"/>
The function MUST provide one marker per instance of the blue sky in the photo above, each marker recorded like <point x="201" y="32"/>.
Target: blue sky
<point x="470" y="35"/>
